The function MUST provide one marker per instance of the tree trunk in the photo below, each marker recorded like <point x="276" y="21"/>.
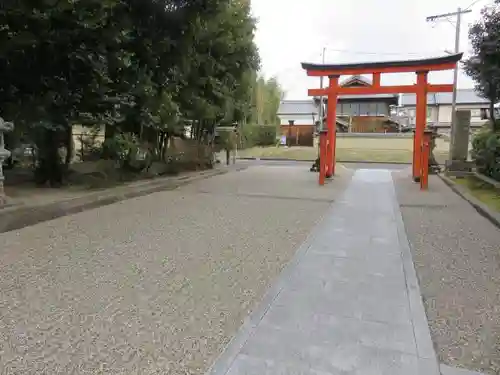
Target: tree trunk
<point x="109" y="133"/>
<point x="494" y="126"/>
<point x="49" y="168"/>
<point x="161" y="146"/>
<point x="68" y="140"/>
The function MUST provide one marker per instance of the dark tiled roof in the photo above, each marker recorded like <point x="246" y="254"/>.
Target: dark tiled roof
<point x="354" y="78"/>
<point x="385" y="64"/>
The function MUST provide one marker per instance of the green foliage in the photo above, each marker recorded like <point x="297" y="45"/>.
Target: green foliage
<point x="128" y="152"/>
<point x="227" y="139"/>
<point x="266" y="98"/>
<point x="483" y="65"/>
<point x="254" y="135"/>
<point x="138" y="67"/>
<point x="121" y="146"/>
<point x="246" y="136"/>
<point x="486" y="153"/>
<point x="265" y="135"/>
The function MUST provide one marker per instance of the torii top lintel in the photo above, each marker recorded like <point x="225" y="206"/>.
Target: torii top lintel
<point x="400" y="66"/>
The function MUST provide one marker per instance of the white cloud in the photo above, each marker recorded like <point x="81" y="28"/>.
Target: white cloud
<point x="292" y="31"/>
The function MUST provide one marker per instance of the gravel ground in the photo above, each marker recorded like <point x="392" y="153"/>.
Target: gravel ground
<point x="152" y="285"/>
<point x="457" y="257"/>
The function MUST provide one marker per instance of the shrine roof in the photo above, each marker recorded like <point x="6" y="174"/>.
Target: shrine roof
<point x="356" y="79"/>
<point x="385" y="64"/>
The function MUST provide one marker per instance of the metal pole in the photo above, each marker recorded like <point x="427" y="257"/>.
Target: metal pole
<point x="458" y="13"/>
<point x="455" y="82"/>
<point x="320" y="112"/>
<point x="321" y="125"/>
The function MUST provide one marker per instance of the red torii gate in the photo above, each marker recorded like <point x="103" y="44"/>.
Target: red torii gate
<point x="420" y="89"/>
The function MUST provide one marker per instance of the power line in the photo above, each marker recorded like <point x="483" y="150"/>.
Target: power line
<point x="313" y="55"/>
<point x="321" y="55"/>
<point x="472" y="4"/>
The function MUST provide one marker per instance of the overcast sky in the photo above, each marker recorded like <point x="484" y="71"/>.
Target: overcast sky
<point x="293" y="31"/>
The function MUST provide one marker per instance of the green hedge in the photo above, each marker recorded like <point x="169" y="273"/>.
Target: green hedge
<point x="265" y="135"/>
<point x="486" y="153"/>
<point x="255" y="135"/>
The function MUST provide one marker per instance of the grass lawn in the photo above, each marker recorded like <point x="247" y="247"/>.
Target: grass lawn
<point x="343" y="154"/>
<point x="482" y="191"/>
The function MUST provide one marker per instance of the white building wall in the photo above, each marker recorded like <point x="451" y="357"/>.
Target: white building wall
<point x="432" y="114"/>
<point x="441" y="115"/>
<point x="300" y="119"/>
<point x="445" y="112"/>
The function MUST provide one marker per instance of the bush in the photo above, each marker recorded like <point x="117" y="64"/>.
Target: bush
<point x="256" y="135"/>
<point x="265" y="135"/>
<point x="128" y="152"/>
<point x="120" y="146"/>
<point x="486" y="153"/>
<point x="225" y="140"/>
<point x="246" y="137"/>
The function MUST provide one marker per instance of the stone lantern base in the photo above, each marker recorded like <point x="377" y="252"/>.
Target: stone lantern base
<point x="4" y="154"/>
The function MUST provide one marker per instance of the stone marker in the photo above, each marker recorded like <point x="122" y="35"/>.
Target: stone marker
<point x="460" y="144"/>
<point x="460" y="141"/>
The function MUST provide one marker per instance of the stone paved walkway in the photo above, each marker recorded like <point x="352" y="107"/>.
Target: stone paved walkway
<point x="349" y="303"/>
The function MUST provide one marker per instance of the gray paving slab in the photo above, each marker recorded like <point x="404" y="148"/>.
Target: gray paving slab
<point x="314" y="325"/>
<point x="350" y="304"/>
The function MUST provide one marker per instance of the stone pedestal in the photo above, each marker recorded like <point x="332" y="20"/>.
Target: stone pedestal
<point x="4" y="154"/>
<point x="434" y="167"/>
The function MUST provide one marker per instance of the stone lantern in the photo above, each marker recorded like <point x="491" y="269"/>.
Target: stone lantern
<point x="4" y="154"/>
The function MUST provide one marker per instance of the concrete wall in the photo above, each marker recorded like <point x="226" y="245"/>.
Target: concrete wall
<point x="441" y="115"/>
<point x="445" y="113"/>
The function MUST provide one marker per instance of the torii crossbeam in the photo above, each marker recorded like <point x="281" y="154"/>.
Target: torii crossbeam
<point x="420" y="89"/>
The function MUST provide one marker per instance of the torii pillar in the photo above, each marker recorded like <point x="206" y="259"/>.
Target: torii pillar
<point x="420" y="89"/>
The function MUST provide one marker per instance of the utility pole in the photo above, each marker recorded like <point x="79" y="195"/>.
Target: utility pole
<point x="458" y="14"/>
<point x="321" y="97"/>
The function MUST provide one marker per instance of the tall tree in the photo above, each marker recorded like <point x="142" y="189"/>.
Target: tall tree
<point x="222" y="54"/>
<point x="483" y="66"/>
<point x="267" y="95"/>
<point x="137" y="66"/>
